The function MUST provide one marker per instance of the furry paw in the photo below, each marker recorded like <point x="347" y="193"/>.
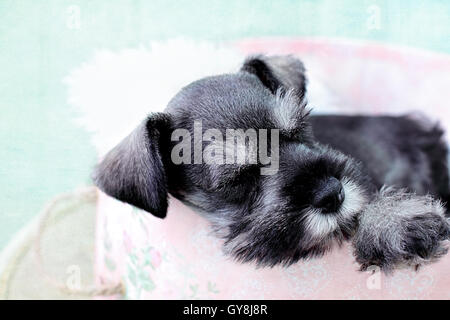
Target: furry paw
<point x="399" y="229"/>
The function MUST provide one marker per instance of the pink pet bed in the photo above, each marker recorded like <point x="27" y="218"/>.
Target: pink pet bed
<point x="178" y="258"/>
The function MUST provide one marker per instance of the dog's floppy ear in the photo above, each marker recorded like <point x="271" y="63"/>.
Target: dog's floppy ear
<point x="134" y="170"/>
<point x="278" y="72"/>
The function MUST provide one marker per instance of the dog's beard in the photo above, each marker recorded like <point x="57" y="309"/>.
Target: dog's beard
<point x="273" y="232"/>
<point x="284" y="237"/>
<point x="323" y="229"/>
<point x="268" y="229"/>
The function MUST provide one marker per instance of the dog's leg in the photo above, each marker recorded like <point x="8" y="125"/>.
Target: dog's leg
<point x="401" y="229"/>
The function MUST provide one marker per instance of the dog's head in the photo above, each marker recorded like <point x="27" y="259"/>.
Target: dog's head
<point x="240" y="149"/>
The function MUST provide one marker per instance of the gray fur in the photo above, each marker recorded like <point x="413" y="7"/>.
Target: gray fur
<point x="401" y="229"/>
<point x="136" y="162"/>
<point x="296" y="213"/>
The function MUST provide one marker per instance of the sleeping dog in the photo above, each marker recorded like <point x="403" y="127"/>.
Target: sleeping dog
<point x="286" y="185"/>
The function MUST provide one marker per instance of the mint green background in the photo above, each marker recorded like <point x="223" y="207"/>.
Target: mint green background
<point x="43" y="153"/>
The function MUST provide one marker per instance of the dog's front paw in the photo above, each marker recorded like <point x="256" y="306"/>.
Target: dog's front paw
<point x="400" y="229"/>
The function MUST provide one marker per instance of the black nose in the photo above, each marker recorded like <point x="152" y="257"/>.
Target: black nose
<point x="329" y="195"/>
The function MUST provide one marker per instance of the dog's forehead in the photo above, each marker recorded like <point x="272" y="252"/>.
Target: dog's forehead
<point x="233" y="101"/>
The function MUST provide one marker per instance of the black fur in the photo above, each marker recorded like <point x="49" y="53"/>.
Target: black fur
<point x="278" y="73"/>
<point x="396" y="151"/>
<point x="134" y="171"/>
<point x="273" y="219"/>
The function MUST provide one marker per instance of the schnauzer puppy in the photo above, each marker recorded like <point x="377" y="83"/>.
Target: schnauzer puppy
<point x="380" y="180"/>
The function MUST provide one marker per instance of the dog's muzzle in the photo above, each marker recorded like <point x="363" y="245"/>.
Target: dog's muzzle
<point x="329" y="195"/>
